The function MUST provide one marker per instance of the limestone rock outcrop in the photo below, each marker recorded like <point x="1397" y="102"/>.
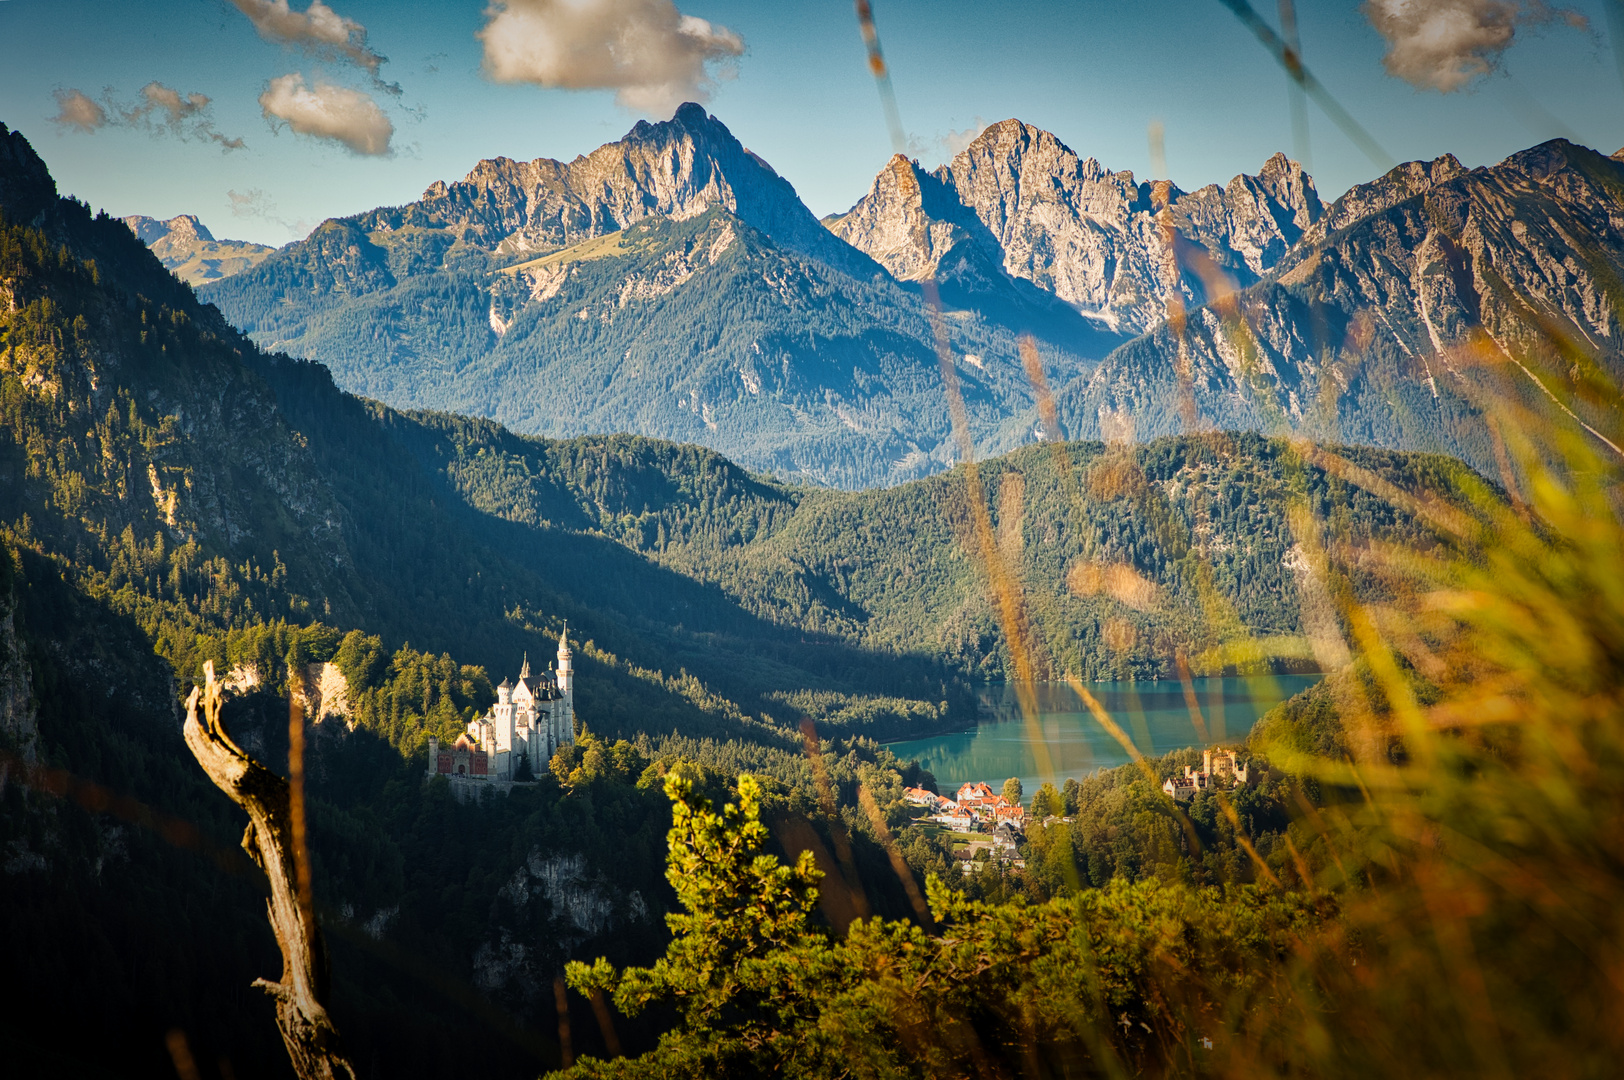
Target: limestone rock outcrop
<point x="679" y="168"/>
<point x="1087" y="235"/>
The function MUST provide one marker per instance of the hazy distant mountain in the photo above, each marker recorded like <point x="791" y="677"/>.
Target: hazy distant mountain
<point x="1023" y="201"/>
<point x="721" y="312"/>
<point x="186" y="247"/>
<point x="1410" y="302"/>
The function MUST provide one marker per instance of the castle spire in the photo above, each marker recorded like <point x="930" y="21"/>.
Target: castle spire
<point x="524" y="672"/>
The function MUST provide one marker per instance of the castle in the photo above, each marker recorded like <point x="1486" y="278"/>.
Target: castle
<point x="529" y="722"/>
<point x="1224" y="763"/>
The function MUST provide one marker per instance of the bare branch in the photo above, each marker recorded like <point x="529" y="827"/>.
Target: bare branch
<point x="301" y="995"/>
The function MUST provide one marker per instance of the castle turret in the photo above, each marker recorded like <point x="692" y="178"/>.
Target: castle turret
<point x="565" y="711"/>
<point x="434" y="755"/>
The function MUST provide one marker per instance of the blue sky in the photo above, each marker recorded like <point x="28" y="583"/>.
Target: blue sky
<point x="799" y="94"/>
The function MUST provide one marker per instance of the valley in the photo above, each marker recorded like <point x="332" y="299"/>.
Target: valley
<point x="648" y="395"/>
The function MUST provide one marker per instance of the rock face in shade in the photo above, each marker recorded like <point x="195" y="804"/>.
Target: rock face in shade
<point x="187" y="248"/>
<point x="1089" y="236"/>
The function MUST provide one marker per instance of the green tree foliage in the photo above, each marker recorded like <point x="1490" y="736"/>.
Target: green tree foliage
<point x="1012" y="790"/>
<point x="732" y="961"/>
<point x="1102" y="983"/>
<point x="1124" y="826"/>
<point x="1048" y="802"/>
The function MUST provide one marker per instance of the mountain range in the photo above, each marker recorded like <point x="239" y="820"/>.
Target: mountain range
<point x="1019" y="201"/>
<point x="672" y="284"/>
<point x="188" y="250"/>
<point x="1413" y="308"/>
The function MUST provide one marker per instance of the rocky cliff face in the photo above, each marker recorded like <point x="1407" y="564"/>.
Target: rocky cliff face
<point x="1414" y="301"/>
<point x="186" y="247"/>
<point x="678" y="169"/>
<point x="19" y="715"/>
<point x="1087" y="235"/>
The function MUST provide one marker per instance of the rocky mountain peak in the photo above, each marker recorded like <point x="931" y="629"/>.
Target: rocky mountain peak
<point x="907" y="222"/>
<point x="1074" y="228"/>
<point x="181" y="229"/>
<point x="187" y="226"/>
<point x="676" y="168"/>
<point x="186" y="248"/>
<point x="1285" y="182"/>
<point x="1388" y="190"/>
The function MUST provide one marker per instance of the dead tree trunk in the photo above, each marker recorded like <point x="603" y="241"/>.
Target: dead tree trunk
<point x="301" y="995"/>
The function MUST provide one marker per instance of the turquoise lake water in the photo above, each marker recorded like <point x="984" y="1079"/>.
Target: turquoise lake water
<point x="1153" y="714"/>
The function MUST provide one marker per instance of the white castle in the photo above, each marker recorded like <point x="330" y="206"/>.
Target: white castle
<point x="529" y="722"/>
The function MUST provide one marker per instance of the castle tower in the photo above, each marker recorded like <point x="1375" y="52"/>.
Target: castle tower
<point x="565" y="712"/>
<point x="503" y="721"/>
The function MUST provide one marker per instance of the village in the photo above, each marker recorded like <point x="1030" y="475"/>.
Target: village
<point x="980" y="820"/>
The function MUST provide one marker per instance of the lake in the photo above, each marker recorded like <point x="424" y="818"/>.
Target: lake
<point x="1153" y="714"/>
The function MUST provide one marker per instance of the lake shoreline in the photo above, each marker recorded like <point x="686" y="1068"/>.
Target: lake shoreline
<point x="1065" y="740"/>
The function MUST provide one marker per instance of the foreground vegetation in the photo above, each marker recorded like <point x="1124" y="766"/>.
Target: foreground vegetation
<point x="1429" y="876"/>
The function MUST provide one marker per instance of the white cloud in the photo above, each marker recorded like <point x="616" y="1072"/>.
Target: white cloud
<point x="158" y="110"/>
<point x="187" y="116"/>
<point x="944" y="147"/>
<point x="652" y="56"/>
<point x="251" y="203"/>
<point x="157" y="96"/>
<point x="75" y="110"/>
<point x="954" y="141"/>
<point x="1444" y="44"/>
<point x="318" y="28"/>
<point x="256" y="204"/>
<point x="331" y="112"/>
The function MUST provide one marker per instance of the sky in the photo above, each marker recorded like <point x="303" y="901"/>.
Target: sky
<point x="265" y="117"/>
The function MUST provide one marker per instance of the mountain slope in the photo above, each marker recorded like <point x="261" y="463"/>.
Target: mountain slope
<point x="187" y="248"/>
<point x="783" y="347"/>
<point x="1415" y="302"/>
<point x="701" y="330"/>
